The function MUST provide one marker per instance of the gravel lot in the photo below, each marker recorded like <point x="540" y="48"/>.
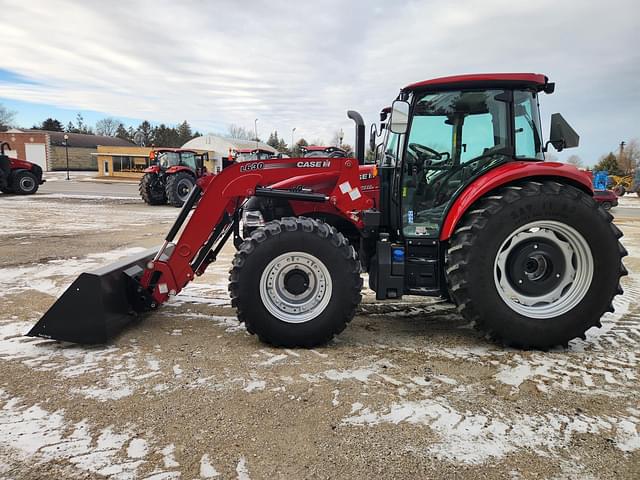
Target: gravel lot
<point x="408" y="390"/>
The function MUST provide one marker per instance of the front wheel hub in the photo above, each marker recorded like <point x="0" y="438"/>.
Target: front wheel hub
<point x="543" y="269"/>
<point x="295" y="287"/>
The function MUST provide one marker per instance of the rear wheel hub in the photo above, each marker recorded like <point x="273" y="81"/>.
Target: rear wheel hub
<point x="543" y="269"/>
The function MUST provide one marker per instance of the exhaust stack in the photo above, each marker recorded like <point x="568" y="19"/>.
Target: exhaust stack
<point x="357" y="118"/>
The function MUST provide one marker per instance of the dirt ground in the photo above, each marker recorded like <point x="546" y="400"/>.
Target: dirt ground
<point x="409" y="390"/>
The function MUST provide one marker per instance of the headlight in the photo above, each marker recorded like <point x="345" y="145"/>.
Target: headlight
<point x="252" y="218"/>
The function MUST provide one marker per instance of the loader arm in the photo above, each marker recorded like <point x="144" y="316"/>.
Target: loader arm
<point x="217" y="199"/>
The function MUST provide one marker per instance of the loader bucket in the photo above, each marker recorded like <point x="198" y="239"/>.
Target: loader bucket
<point x="97" y="305"/>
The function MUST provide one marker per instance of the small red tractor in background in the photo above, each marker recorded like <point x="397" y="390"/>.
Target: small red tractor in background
<point x="468" y="209"/>
<point x="171" y="176"/>
<point x="311" y="151"/>
<point x="18" y="176"/>
<point x="249" y="154"/>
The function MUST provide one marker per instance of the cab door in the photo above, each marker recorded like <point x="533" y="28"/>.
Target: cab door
<point x="453" y="138"/>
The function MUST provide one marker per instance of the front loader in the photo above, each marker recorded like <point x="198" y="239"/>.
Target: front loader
<point x="468" y="209"/>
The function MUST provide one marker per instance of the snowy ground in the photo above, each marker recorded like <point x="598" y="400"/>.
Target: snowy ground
<point x="408" y="390"/>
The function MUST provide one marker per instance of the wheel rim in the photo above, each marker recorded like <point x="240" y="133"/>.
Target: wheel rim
<point x="26" y="184"/>
<point x="543" y="269"/>
<point x="295" y="287"/>
<point x="184" y="188"/>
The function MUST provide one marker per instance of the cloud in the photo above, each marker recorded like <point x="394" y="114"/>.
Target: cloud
<point x="304" y="64"/>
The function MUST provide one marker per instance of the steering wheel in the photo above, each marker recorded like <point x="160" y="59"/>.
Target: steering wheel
<point x="426" y="155"/>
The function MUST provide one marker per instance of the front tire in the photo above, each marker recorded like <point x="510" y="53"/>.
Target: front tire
<point x="295" y="282"/>
<point x="179" y="186"/>
<point x="535" y="265"/>
<point x="24" y="183"/>
<point x="152" y="190"/>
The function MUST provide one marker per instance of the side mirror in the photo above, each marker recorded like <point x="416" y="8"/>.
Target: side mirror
<point x="561" y="134"/>
<point x="372" y="137"/>
<point x="399" y="116"/>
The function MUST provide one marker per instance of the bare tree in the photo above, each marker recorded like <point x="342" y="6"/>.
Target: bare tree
<point x="575" y="160"/>
<point x="630" y="157"/>
<point x="107" y="127"/>
<point x="336" y="139"/>
<point x="6" y="118"/>
<point x="241" y="133"/>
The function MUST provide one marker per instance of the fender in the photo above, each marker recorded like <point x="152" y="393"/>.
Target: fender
<point x="152" y="169"/>
<point x="508" y="173"/>
<point x="179" y="168"/>
<point x="15" y="164"/>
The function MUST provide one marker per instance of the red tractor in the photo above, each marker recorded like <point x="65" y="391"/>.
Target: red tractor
<point x="18" y="176"/>
<point x="249" y="154"/>
<point x="468" y="208"/>
<point x="171" y="176"/>
<point x="318" y="151"/>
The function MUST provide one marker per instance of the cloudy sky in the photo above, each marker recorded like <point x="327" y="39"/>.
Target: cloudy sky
<point x="303" y="64"/>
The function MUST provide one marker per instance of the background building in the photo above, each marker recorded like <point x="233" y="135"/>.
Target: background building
<point x="47" y="148"/>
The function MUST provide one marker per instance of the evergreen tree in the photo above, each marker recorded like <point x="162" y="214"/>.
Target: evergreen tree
<point x="184" y="133"/>
<point x="145" y="136"/>
<point x="50" y="125"/>
<point x="608" y="163"/>
<point x="123" y="133"/>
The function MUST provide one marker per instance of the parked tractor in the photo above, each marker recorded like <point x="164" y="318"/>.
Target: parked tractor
<point x="171" y="176"/>
<point x="319" y="151"/>
<point x="18" y="176"/>
<point x="249" y="154"/>
<point x="468" y="209"/>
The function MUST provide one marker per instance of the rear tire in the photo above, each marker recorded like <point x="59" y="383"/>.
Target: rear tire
<point x="24" y="183"/>
<point x="606" y="205"/>
<point x="295" y="282"/>
<point x="540" y="286"/>
<point x="152" y="190"/>
<point x="179" y="185"/>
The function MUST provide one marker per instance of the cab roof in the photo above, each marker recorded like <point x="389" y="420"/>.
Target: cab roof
<point x="318" y="148"/>
<point x="176" y="150"/>
<point x="480" y="80"/>
<point x="251" y="150"/>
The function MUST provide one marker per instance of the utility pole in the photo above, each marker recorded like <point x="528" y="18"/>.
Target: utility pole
<point x="255" y="125"/>
<point x="66" y="151"/>
<point x="292" y="132"/>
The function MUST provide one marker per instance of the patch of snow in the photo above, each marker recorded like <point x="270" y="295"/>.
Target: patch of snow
<point x="207" y="470"/>
<point x="54" y="276"/>
<point x="242" y="470"/>
<point x="138" y="448"/>
<point x="35" y="433"/>
<point x="474" y="438"/>
<point x="168" y="458"/>
<point x="255" y="385"/>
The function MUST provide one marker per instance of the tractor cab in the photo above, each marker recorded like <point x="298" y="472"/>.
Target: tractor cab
<point x="166" y="158"/>
<point x="445" y="133"/>
<point x="248" y="154"/>
<point x="442" y="135"/>
<point x="316" y="151"/>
